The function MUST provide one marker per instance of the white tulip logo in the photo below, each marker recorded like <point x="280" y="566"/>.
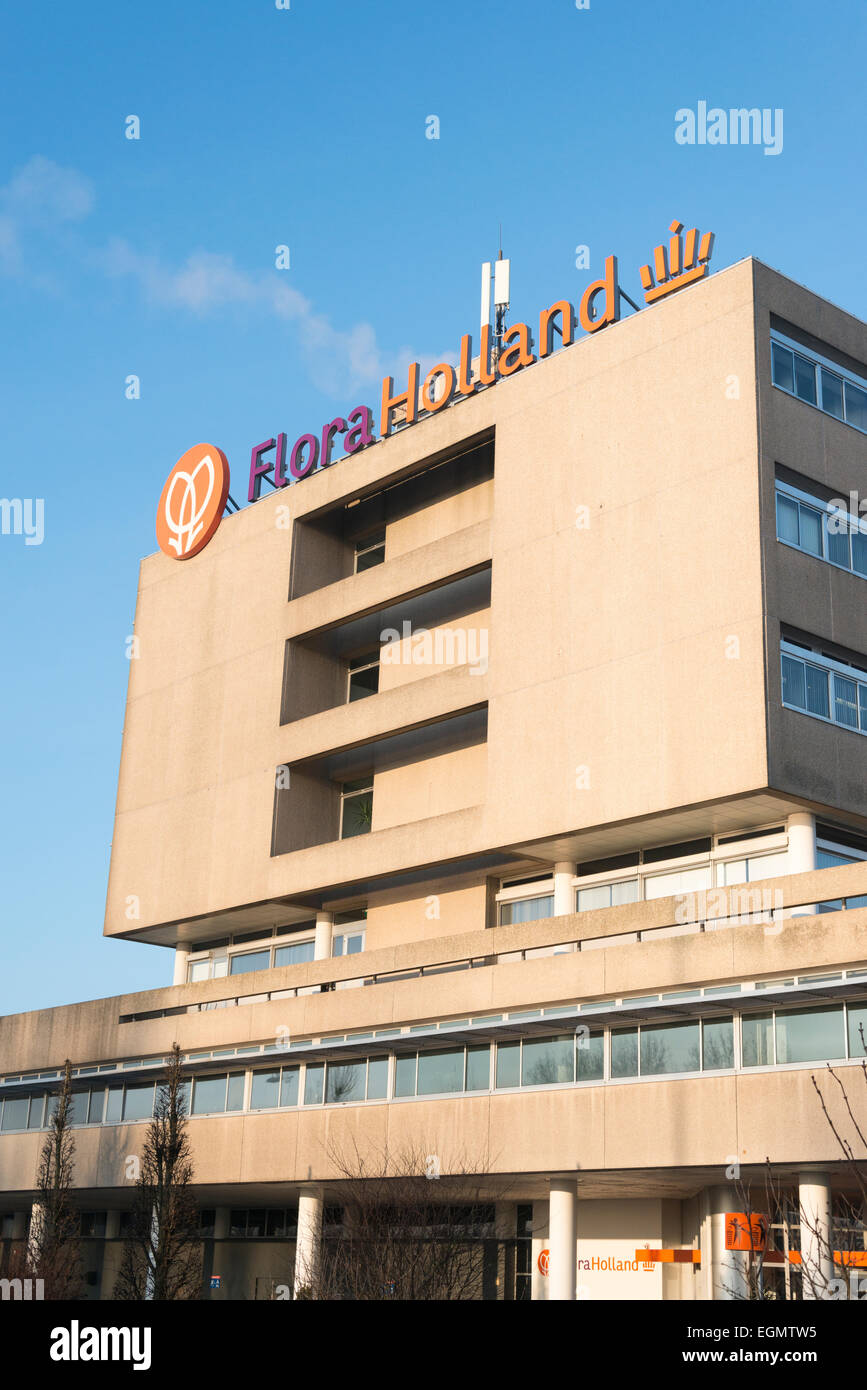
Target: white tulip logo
<point x="192" y="502"/>
<point x="184" y="518"/>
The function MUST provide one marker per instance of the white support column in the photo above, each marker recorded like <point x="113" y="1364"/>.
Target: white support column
<point x="222" y="1219"/>
<point x="180" y="972"/>
<point x="308" y="1243"/>
<point x="801" y="826"/>
<point x="562" y="1239"/>
<point x="322" y="942"/>
<point x="564" y="893"/>
<point x="817" y="1262"/>
<point x="728" y="1267"/>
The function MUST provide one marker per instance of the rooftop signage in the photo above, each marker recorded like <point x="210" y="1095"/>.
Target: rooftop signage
<point x="194" y="496"/>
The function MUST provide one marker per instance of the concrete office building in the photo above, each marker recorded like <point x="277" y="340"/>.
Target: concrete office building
<point x="398" y="878"/>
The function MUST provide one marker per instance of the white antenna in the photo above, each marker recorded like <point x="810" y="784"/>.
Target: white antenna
<point x="486" y="295"/>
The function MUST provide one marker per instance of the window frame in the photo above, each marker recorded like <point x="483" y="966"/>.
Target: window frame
<point x="818" y="362"/>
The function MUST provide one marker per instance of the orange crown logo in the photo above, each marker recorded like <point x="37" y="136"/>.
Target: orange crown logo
<point x="686" y="261"/>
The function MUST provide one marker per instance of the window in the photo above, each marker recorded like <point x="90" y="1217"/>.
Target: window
<point x="548" y="1061"/>
<point x="526" y="910"/>
<point x="440" y="1072"/>
<point x="262" y="1223"/>
<point x="138" y="1102"/>
<point x="754" y="868"/>
<point x="213" y="1095"/>
<point x="657" y="1049"/>
<point x="296" y="954"/>
<point x="803" y="374"/>
<point x="363" y="676"/>
<point x="608" y="895"/>
<point x="786" y="1036"/>
<point x="356" y="807"/>
<point x="824" y="688"/>
<point x="246" y="961"/>
<point x="370" y="550"/>
<point x="314" y="1083"/>
<point x="347" y="943"/>
<point x="274" y="1089"/>
<point x="820" y="529"/>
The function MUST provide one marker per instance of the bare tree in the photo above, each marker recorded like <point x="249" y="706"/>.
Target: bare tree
<point x="162" y="1258"/>
<point x="414" y="1228"/>
<point x="53" y="1250"/>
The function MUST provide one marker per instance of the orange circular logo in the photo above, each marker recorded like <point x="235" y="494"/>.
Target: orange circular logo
<point x="193" y="501"/>
<point x="543" y="1260"/>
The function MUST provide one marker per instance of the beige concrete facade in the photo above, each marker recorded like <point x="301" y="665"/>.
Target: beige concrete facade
<point x="589" y="551"/>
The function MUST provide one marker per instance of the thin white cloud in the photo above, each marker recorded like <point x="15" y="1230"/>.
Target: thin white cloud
<point x="39" y="196"/>
<point x="339" y="360"/>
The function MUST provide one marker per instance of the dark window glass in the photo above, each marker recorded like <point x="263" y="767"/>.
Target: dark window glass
<point x="15" y="1112"/>
<point x="235" y="1095"/>
<point x="209" y="1095"/>
<point x="289" y="1086"/>
<point x="294" y="955"/>
<point x="809" y="1035"/>
<point x="439" y="1072"/>
<point x="832" y="394"/>
<point x="138" y="1102"/>
<point x="314" y="1084"/>
<point x="718" y="1043"/>
<point x="805" y="379"/>
<point x="526" y="910"/>
<point x="250" y="960"/>
<point x="669" y="1047"/>
<point x="782" y="368"/>
<point x="377" y="1078"/>
<point x="794" y="683"/>
<point x="478" y="1068"/>
<point x="810" y="530"/>
<point x="266" y="1090"/>
<point x="787" y="519"/>
<point x="856" y="406"/>
<point x="817" y="690"/>
<point x="548" y="1061"/>
<point x="757" y="1040"/>
<point x="238" y="1222"/>
<point x="624" y="1052"/>
<point x="845" y="702"/>
<point x="357" y="817"/>
<point x="404" y="1076"/>
<point x="857" y="1022"/>
<point x="589" y="1056"/>
<point x="859" y="552"/>
<point x="345" y="1081"/>
<point x="508" y="1064"/>
<point x="837" y="527"/>
<point x="364" y="677"/>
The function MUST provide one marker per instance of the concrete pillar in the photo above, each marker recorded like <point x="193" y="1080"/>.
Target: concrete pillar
<point x="564" y="893"/>
<point x="817" y="1262"/>
<point x="562" y="1239"/>
<point x="801" y="826"/>
<point x="506" y="1229"/>
<point x="322" y="941"/>
<point x="112" y="1225"/>
<point x="19" y="1225"/>
<point x="181" y="958"/>
<point x="729" y="1281"/>
<point x="309" y="1240"/>
<point x="222" y="1217"/>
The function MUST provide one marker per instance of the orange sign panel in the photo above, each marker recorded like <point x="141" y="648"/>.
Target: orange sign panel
<point x="746" y="1231"/>
<point x="192" y="501"/>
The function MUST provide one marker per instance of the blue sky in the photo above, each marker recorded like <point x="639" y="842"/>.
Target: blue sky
<point x="306" y="127"/>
